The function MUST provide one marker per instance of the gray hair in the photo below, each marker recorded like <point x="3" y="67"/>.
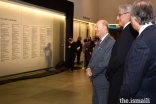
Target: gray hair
<point x="143" y="12"/>
<point x="105" y="23"/>
<point x="126" y="8"/>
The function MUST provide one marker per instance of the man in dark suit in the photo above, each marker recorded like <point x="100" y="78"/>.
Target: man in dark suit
<point x="98" y="63"/>
<point x="120" y="49"/>
<point x="139" y="80"/>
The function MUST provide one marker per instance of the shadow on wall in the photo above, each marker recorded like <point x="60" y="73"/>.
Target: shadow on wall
<point x="48" y="55"/>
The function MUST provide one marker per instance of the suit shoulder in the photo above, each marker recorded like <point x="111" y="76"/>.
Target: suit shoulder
<point x="131" y="31"/>
<point x="111" y="39"/>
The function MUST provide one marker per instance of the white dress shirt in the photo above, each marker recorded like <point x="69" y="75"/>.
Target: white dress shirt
<point x="143" y="27"/>
<point x="126" y="24"/>
<point x="103" y="38"/>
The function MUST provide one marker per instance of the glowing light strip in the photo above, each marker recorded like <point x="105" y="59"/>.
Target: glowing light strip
<point x="90" y="22"/>
<point x="113" y="24"/>
<point x="36" y="10"/>
<point x="84" y="21"/>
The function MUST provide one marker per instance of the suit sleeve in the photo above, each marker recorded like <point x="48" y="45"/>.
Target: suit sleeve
<point x="137" y="65"/>
<point x="104" y="62"/>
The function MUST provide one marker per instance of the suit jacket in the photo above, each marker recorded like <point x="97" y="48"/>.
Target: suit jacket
<point x="140" y="68"/>
<point x="79" y="44"/>
<point x="99" y="61"/>
<point x="118" y="56"/>
<point x="73" y="48"/>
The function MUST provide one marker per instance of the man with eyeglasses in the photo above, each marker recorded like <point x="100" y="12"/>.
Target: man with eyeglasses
<point x="139" y="79"/>
<point x="119" y="52"/>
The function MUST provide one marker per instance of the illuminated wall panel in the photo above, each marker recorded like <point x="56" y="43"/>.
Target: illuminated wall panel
<point x="26" y="39"/>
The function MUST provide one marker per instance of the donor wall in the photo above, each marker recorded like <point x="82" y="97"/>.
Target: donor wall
<point x="26" y="38"/>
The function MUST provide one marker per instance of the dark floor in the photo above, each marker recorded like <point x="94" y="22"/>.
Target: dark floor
<point x="60" y="88"/>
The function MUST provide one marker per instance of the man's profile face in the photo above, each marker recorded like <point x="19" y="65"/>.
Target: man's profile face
<point x="99" y="28"/>
<point x="121" y="17"/>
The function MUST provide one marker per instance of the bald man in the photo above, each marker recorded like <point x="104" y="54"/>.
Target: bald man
<point x="98" y="63"/>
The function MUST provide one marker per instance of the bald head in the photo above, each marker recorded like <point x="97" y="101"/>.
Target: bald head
<point x="104" y="23"/>
<point x="101" y="28"/>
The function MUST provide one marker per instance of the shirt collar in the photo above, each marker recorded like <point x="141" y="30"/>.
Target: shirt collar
<point x="144" y="26"/>
<point x="126" y="24"/>
<point x="104" y="37"/>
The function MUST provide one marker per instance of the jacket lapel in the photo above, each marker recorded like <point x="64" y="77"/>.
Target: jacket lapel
<point x="96" y="49"/>
<point x="99" y="46"/>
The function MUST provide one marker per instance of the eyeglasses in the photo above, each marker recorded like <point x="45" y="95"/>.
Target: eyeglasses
<point x="119" y="15"/>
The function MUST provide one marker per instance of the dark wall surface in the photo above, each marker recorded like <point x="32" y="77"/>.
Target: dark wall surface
<point x="59" y="5"/>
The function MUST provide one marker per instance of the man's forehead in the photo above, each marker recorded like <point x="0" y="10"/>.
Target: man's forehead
<point x="99" y="24"/>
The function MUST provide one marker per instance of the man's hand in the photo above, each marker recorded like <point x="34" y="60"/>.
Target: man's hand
<point x="88" y="72"/>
